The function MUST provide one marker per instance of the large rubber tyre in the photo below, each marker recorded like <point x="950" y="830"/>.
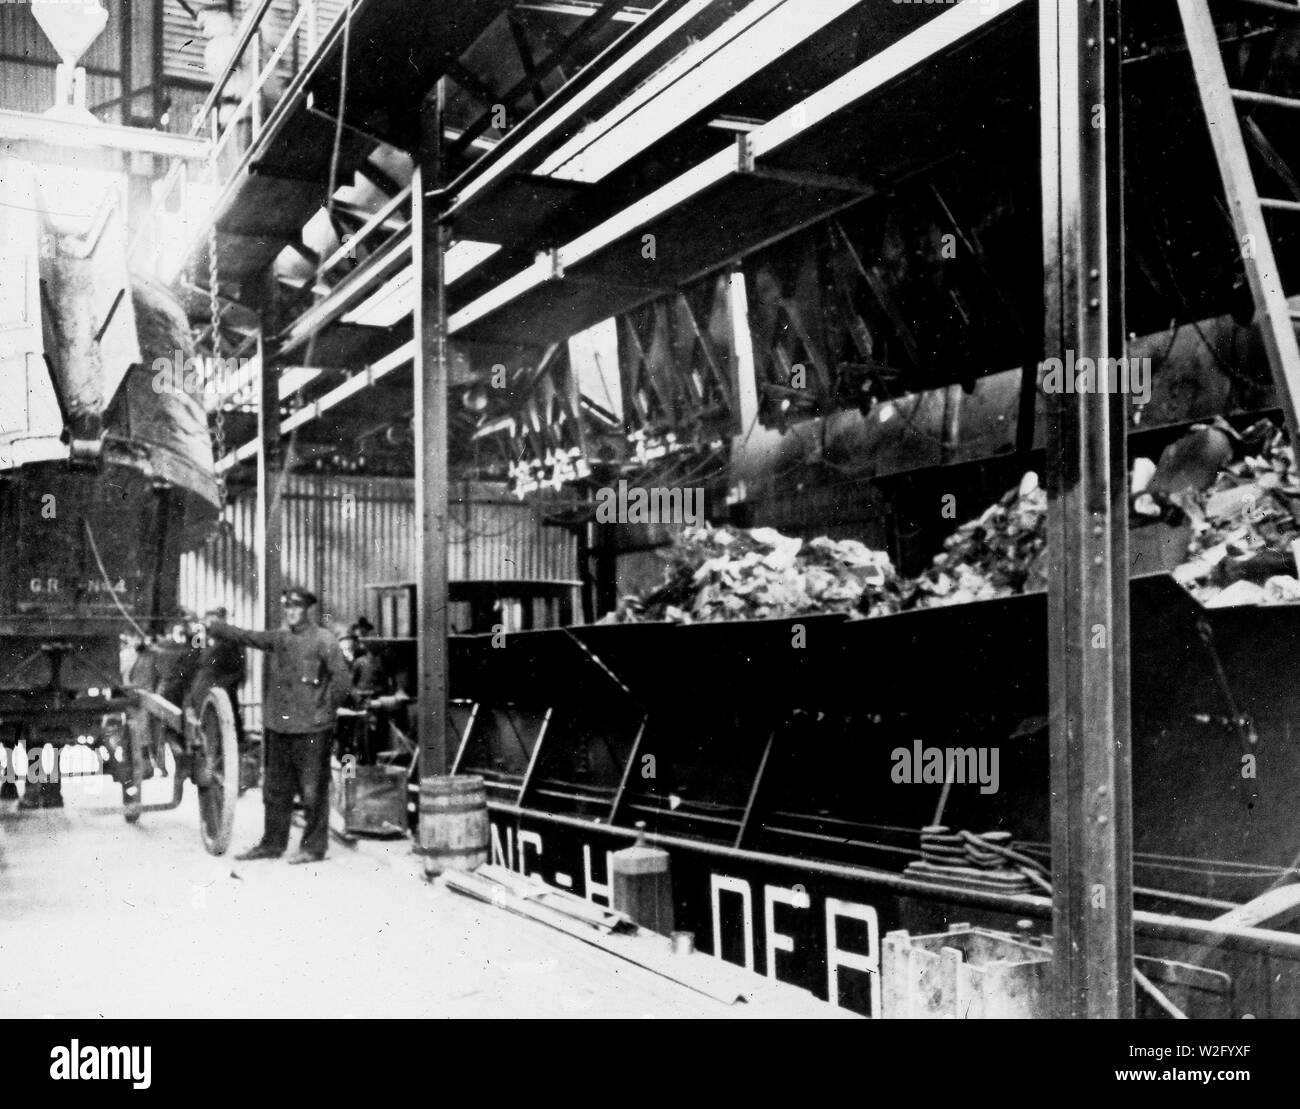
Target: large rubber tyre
<point x="219" y="759"/>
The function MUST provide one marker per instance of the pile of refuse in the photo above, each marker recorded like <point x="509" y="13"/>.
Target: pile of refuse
<point x="1245" y="523"/>
<point x="1002" y="552"/>
<point x="722" y="573"/>
<point x="1237" y="494"/>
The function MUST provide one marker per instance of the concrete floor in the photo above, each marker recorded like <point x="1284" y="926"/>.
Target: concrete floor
<point x="99" y="918"/>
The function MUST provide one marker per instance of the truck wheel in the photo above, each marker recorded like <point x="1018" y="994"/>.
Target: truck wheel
<point x="217" y="771"/>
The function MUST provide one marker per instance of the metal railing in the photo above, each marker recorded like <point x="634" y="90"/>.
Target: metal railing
<point x="231" y="127"/>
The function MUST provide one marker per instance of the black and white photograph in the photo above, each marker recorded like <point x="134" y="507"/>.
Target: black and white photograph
<point x="649" y="510"/>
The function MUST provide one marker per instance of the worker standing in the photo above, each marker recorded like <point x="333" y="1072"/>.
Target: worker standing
<point x="307" y="682"/>
<point x="358" y="735"/>
<point x="365" y="667"/>
<point x="176" y="662"/>
<point x="220" y="665"/>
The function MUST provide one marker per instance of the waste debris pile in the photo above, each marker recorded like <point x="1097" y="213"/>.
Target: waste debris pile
<point x="1238" y="492"/>
<point x="1245" y="523"/>
<point x="724" y="573"/>
<point x="1002" y="552"/>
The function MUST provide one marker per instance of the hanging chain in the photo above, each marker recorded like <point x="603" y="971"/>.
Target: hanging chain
<point x="219" y="417"/>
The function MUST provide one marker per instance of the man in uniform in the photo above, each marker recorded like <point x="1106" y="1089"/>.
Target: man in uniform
<point x="307" y="681"/>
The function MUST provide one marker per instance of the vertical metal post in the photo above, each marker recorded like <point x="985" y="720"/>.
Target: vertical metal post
<point x="127" y="90"/>
<point x="255" y="105"/>
<point x="429" y="239"/>
<point x="270" y="498"/>
<point x="606" y="550"/>
<point x="744" y="384"/>
<point x="1087" y="511"/>
<point x="312" y="21"/>
<point x="156" y="62"/>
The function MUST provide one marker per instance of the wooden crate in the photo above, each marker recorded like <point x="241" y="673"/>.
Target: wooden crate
<point x="372" y="799"/>
<point x="965" y="973"/>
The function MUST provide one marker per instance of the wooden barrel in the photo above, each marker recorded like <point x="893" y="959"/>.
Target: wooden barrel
<point x="453" y="823"/>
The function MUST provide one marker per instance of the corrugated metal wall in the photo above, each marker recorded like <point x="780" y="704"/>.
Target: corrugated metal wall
<point x="22" y="39"/>
<point x="183" y="41"/>
<point x="30" y="88"/>
<point x="342" y="533"/>
<point x="27" y="61"/>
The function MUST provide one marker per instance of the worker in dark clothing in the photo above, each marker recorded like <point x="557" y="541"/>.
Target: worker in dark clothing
<point x="366" y="669"/>
<point x="142" y="675"/>
<point x="176" y="662"/>
<point x="220" y="664"/>
<point x="368" y="681"/>
<point x="307" y="682"/>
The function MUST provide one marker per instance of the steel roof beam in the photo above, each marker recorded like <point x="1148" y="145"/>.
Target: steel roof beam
<point x="381" y="266"/>
<point x="553" y="61"/>
<point x="514" y="149"/>
<point x="938" y="35"/>
<point x="34" y="127"/>
<point x="371" y="375"/>
<point x="629" y="13"/>
<point x="755" y="37"/>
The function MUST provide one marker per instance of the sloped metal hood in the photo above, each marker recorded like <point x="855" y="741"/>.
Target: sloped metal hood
<point x="79" y="337"/>
<point x="163" y="433"/>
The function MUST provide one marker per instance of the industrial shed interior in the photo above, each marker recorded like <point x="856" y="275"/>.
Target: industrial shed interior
<point x="765" y="507"/>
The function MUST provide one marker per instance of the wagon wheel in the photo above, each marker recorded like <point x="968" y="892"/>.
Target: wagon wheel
<point x="133" y="743"/>
<point x="217" y="770"/>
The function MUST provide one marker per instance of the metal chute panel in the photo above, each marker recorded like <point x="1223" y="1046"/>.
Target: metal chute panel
<point x="772" y="665"/>
<point x="31" y="409"/>
<point x="153" y="424"/>
<point x="1215" y="771"/>
<point x="69" y="308"/>
<point x="87" y="311"/>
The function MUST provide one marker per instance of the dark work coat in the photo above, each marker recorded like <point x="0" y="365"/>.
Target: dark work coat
<point x="307" y="675"/>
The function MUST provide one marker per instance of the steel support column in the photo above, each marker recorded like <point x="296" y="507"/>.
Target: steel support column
<point x="1087" y="513"/>
<point x="429" y="244"/>
<point x="270" y="491"/>
<point x="744" y="381"/>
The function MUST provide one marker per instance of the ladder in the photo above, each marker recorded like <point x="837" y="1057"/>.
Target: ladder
<point x="1219" y="100"/>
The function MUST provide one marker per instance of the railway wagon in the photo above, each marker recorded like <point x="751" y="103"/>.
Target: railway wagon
<point x="99" y="494"/>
